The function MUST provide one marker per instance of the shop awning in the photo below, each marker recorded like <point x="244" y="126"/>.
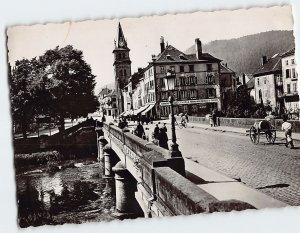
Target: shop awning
<point x="126" y="113"/>
<point x="150" y="106"/>
<point x="141" y="109"/>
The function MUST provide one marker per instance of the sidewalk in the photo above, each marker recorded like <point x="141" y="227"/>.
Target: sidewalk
<point x="279" y="134"/>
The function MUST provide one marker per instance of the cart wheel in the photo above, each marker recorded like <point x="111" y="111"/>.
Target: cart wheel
<point x="254" y="135"/>
<point x="271" y="136"/>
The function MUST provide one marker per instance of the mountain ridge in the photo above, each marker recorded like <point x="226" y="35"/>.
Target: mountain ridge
<point x="243" y="54"/>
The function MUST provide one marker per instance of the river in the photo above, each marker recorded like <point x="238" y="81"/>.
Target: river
<point x="64" y="192"/>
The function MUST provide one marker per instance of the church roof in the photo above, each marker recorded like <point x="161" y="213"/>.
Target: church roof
<point x="171" y="54"/>
<point x="121" y="41"/>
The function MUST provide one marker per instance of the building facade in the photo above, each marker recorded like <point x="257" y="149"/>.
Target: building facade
<point x="122" y="67"/>
<point x="108" y="102"/>
<point x="268" y="83"/>
<point x="197" y="86"/>
<point x="290" y="83"/>
<point x="227" y="85"/>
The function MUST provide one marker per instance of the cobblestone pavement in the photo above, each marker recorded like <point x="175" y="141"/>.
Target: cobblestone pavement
<point x="272" y="169"/>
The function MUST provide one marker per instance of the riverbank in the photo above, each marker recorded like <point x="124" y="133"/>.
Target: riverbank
<point x="44" y="157"/>
<point x="76" y="193"/>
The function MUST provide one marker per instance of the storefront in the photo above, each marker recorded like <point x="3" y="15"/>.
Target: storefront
<point x="191" y="107"/>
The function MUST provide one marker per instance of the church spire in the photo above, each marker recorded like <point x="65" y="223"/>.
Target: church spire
<point x="121" y="42"/>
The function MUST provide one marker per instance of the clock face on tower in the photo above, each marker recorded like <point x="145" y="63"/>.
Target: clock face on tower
<point x="121" y="43"/>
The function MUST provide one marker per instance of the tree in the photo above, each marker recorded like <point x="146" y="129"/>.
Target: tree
<point x="22" y="85"/>
<point x="70" y="82"/>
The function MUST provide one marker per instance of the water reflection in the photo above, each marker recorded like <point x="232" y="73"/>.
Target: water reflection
<point x="72" y="195"/>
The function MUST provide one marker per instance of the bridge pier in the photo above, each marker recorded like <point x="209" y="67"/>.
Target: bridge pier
<point x="126" y="186"/>
<point x="108" y="161"/>
<point x="101" y="144"/>
<point x="100" y="133"/>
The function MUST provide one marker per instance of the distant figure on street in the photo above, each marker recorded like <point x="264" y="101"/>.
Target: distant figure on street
<point x="163" y="139"/>
<point x="287" y="127"/>
<point x="156" y="132"/>
<point x="210" y="120"/>
<point x="139" y="130"/>
<point x="165" y="127"/>
<point x="122" y="123"/>
<point x="103" y="119"/>
<point x="271" y="118"/>
<point x="214" y="118"/>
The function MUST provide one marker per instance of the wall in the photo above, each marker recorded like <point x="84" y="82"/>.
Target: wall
<point x="244" y="122"/>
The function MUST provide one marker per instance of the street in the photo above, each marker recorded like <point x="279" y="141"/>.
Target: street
<point x="272" y="169"/>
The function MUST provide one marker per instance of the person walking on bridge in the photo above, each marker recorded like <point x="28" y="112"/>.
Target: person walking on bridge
<point x="163" y="139"/>
<point x="139" y="130"/>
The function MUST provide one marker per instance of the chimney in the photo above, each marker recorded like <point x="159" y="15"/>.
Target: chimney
<point x="264" y="60"/>
<point x="162" y="44"/>
<point x="198" y="48"/>
<point x="154" y="57"/>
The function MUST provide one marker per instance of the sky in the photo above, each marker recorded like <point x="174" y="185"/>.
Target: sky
<point x="96" y="38"/>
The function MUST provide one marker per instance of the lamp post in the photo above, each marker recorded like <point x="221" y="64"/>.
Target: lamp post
<point x="170" y="86"/>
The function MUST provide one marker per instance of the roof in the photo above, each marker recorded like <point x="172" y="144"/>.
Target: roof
<point x="226" y="70"/>
<point x="273" y="65"/>
<point x="250" y="83"/>
<point x="104" y="91"/>
<point x="289" y="53"/>
<point x="171" y="54"/>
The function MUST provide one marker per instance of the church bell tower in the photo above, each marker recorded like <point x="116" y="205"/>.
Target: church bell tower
<point x="122" y="67"/>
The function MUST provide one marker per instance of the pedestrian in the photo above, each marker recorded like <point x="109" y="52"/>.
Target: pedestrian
<point x="139" y="130"/>
<point x="163" y="139"/>
<point x="165" y="127"/>
<point x="103" y="119"/>
<point x="287" y="127"/>
<point x="156" y="132"/>
<point x="122" y="123"/>
<point x="210" y="120"/>
<point x="186" y="117"/>
<point x="214" y="118"/>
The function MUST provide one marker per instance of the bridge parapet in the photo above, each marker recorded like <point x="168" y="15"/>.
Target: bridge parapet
<point x="161" y="184"/>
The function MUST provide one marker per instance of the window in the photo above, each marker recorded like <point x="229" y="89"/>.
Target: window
<point x="191" y="68"/>
<point x="295" y="87"/>
<point x="293" y="61"/>
<point x="125" y="74"/>
<point x="182" y="81"/>
<point x="172" y="68"/>
<point x="211" y="93"/>
<point x="209" y="67"/>
<point x="123" y="55"/>
<point x="287" y="62"/>
<point x="210" y="79"/>
<point x="181" y="69"/>
<point x="257" y="81"/>
<point x="265" y="80"/>
<point x="162" y="83"/>
<point x="287" y="73"/>
<point x="121" y="73"/>
<point x="288" y="87"/>
<point x="293" y="73"/>
<point x="162" y="69"/>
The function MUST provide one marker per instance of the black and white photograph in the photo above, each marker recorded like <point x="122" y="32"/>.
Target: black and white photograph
<point x="154" y="116"/>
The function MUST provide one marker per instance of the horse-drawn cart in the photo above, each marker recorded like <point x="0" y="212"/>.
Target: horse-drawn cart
<point x="262" y="128"/>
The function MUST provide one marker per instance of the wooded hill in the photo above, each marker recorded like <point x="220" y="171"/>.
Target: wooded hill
<point x="243" y="55"/>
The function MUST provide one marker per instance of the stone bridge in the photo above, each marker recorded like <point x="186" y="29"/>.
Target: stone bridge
<point x="150" y="183"/>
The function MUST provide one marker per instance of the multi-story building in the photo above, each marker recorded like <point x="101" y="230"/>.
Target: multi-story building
<point x="197" y="87"/>
<point x="227" y="85"/>
<point x="290" y="83"/>
<point x="108" y="102"/>
<point x="268" y="84"/>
